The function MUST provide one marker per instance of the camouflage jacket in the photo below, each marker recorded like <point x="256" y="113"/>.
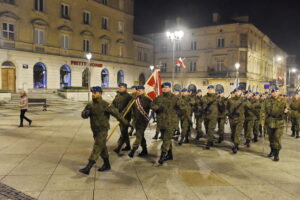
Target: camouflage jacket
<point x="236" y="107"/>
<point x="140" y="115"/>
<point x="121" y="102"/>
<point x="211" y="106"/>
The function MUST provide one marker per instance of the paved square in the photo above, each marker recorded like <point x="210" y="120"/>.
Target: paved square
<point x="42" y="162"/>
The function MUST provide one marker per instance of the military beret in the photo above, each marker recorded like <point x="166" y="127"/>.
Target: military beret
<point x="184" y="90"/>
<point x="122" y="84"/>
<point x="256" y="93"/>
<point x="140" y="87"/>
<point x="166" y="84"/>
<point x="211" y="87"/>
<point x="199" y="90"/>
<point x="133" y="87"/>
<point x="96" y="89"/>
<point x="176" y="90"/>
<point x="275" y="89"/>
<point x="238" y="88"/>
<point x="221" y="91"/>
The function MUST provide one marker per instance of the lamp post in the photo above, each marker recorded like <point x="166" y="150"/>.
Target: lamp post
<point x="237" y="67"/>
<point x="89" y="57"/>
<point x="174" y="36"/>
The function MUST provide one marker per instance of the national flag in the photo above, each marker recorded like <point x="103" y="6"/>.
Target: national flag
<point x="180" y="63"/>
<point x="153" y="85"/>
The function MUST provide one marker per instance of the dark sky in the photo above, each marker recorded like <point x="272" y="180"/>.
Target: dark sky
<point x="280" y="20"/>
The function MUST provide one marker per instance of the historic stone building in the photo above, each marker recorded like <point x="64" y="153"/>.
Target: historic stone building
<point x="43" y="44"/>
<point x="210" y="54"/>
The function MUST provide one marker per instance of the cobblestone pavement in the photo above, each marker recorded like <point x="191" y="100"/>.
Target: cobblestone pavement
<point x="42" y="162"/>
<point x="8" y="193"/>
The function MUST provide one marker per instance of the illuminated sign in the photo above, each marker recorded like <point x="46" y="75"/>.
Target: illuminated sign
<point x="83" y="63"/>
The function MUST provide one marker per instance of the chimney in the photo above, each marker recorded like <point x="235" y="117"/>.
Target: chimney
<point x="216" y="17"/>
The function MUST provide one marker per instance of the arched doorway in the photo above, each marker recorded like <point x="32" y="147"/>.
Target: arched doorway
<point x="39" y="75"/>
<point x="193" y="88"/>
<point x="8" y="72"/>
<point x="120" y="77"/>
<point x="104" y="78"/>
<point x="65" y="76"/>
<point x="177" y="87"/>
<point x="142" y="79"/>
<point x="85" y="78"/>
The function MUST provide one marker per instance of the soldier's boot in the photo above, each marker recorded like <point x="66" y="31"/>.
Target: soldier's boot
<point x="276" y="154"/>
<point x="247" y="143"/>
<point x="221" y="138"/>
<point x="297" y="134"/>
<point x="177" y="132"/>
<point x="235" y="148"/>
<point x="105" y="166"/>
<point x="21" y="125"/>
<point x="131" y="153"/>
<point x="186" y="140"/>
<point x="208" y="145"/>
<point x="156" y="135"/>
<point x="144" y="152"/>
<point x="162" y="158"/>
<point x="181" y="141"/>
<point x="271" y="154"/>
<point x="293" y="134"/>
<point x="255" y="139"/>
<point x="199" y="135"/>
<point x="127" y="147"/>
<point x="88" y="167"/>
<point x="118" y="149"/>
<point x="169" y="155"/>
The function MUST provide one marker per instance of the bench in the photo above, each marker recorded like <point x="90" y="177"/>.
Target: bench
<point x="38" y="102"/>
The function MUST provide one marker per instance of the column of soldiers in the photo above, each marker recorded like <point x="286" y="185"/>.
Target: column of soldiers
<point x="246" y="112"/>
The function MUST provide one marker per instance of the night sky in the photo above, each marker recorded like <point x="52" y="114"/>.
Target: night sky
<point x="280" y="20"/>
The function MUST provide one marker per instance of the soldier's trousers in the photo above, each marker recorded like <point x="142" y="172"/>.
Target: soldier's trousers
<point x="275" y="135"/>
<point x="167" y="135"/>
<point x="210" y="125"/>
<point x="249" y="124"/>
<point x="124" y="137"/>
<point x="221" y="126"/>
<point x="185" y="127"/>
<point x="256" y="128"/>
<point x="199" y="121"/>
<point x="294" y="127"/>
<point x="236" y="130"/>
<point x="140" y="137"/>
<point x="99" y="148"/>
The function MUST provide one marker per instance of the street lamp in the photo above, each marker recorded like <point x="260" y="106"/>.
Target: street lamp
<point x="174" y="36"/>
<point x="237" y="67"/>
<point x="151" y="68"/>
<point x="89" y="57"/>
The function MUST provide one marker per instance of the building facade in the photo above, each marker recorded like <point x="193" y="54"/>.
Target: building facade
<point x="293" y="76"/>
<point x="43" y="44"/>
<point x="210" y="54"/>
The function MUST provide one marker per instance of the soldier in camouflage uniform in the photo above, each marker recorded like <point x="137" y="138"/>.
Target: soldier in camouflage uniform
<point x="256" y="100"/>
<point x="99" y="111"/>
<point x="166" y="106"/>
<point x="295" y="115"/>
<point x="140" y="115"/>
<point x="133" y="95"/>
<point x="198" y="112"/>
<point x="273" y="113"/>
<point x="211" y="112"/>
<point x="121" y="102"/>
<point x="222" y="115"/>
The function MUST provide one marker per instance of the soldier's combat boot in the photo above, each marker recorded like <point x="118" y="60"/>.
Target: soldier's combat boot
<point x="293" y="134"/>
<point x="221" y="138"/>
<point x="127" y="147"/>
<point x="297" y="134"/>
<point x="235" y="148"/>
<point x="199" y="135"/>
<point x="208" y="145"/>
<point x="169" y="155"/>
<point x="162" y="158"/>
<point x="271" y="154"/>
<point x="105" y="166"/>
<point x="255" y="139"/>
<point x="156" y="135"/>
<point x="276" y="155"/>
<point x="186" y="140"/>
<point x="118" y="149"/>
<point x="180" y="141"/>
<point x="88" y="167"/>
<point x="144" y="152"/>
<point x="131" y="153"/>
<point x="247" y="143"/>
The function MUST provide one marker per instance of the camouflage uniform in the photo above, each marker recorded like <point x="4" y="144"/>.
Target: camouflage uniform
<point x="199" y="116"/>
<point x="222" y="118"/>
<point x="250" y="118"/>
<point x="185" y="118"/>
<point x="295" y="116"/>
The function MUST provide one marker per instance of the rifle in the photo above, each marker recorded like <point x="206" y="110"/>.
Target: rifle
<point x="206" y="109"/>
<point x="233" y="113"/>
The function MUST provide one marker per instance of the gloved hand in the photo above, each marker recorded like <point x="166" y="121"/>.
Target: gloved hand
<point x="85" y="114"/>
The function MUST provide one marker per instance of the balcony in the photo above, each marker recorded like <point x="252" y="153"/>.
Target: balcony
<point x="219" y="74"/>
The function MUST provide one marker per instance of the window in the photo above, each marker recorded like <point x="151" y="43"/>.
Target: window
<point x="105" y="2"/>
<point x="177" y="68"/>
<point x="104" y="48"/>
<point x="244" y="40"/>
<point x="105" y="23"/>
<point x="8" y="31"/>
<point x="9" y="1"/>
<point x="86" y="17"/>
<point x="39" y="36"/>
<point x="86" y="45"/>
<point x="145" y="58"/>
<point x="39" y="5"/>
<point x="221" y="42"/>
<point x="140" y="54"/>
<point x="194" y="45"/>
<point x="120" y="27"/>
<point x="163" y="67"/>
<point x="65" y="11"/>
<point x="220" y="66"/>
<point x="64" y="42"/>
<point x="193" y="67"/>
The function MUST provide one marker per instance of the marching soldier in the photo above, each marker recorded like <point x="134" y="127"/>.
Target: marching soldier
<point x="165" y="106"/>
<point x="250" y="118"/>
<point x="256" y="111"/>
<point x="295" y="115"/>
<point x="121" y="101"/>
<point x="211" y="112"/>
<point x="199" y="114"/>
<point x="185" y="117"/>
<point x="222" y="116"/>
<point x="99" y="111"/>
<point x="273" y="113"/>
<point x="140" y="115"/>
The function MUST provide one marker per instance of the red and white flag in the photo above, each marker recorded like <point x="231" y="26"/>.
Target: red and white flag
<point x="180" y="62"/>
<point x="153" y="85"/>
